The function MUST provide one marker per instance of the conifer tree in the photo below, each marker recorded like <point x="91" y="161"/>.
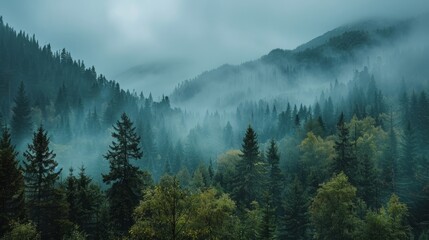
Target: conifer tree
<point x="47" y="206"/>
<point x="11" y="184"/>
<point x="247" y="178"/>
<point x="275" y="177"/>
<point x="294" y="223"/>
<point x="124" y="194"/>
<point x="267" y="226"/>
<point x="344" y="160"/>
<point x="21" y="118"/>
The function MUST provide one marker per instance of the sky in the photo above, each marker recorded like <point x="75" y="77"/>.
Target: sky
<point x="201" y="35"/>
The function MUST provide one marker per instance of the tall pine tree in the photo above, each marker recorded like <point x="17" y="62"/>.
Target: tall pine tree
<point x="47" y="206"/>
<point x="247" y="178"/>
<point x="124" y="195"/>
<point x="344" y="160"/>
<point x="11" y="184"/>
<point x="275" y="177"/>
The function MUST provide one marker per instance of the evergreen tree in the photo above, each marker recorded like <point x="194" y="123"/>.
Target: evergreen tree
<point x="248" y="174"/>
<point x="124" y="193"/>
<point x="11" y="184"/>
<point x="344" y="160"/>
<point x="46" y="203"/>
<point x="389" y="164"/>
<point x="21" y="118"/>
<point x="267" y="226"/>
<point x="71" y="196"/>
<point x="294" y="223"/>
<point x="275" y="180"/>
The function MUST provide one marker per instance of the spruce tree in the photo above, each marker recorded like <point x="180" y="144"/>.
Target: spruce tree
<point x="47" y="205"/>
<point x="21" y="117"/>
<point x="275" y="177"/>
<point x="11" y="184"/>
<point x="247" y="178"/>
<point x="295" y="221"/>
<point x="124" y="194"/>
<point x="344" y="160"/>
<point x="267" y="226"/>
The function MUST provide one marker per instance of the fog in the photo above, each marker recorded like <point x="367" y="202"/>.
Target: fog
<point x="117" y="36"/>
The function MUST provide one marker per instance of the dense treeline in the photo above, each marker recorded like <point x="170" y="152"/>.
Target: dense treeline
<point x="82" y="159"/>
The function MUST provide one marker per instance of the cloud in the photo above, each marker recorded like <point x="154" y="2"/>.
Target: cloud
<point x="116" y="35"/>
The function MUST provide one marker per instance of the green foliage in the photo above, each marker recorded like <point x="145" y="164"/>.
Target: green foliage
<point x="294" y="223"/>
<point x="387" y="223"/>
<point x="85" y="200"/>
<point x="164" y="212"/>
<point x="332" y="210"/>
<point x="125" y="178"/>
<point x="226" y="169"/>
<point x="316" y="156"/>
<point x="11" y="184"/>
<point x="248" y="171"/>
<point x="22" y="231"/>
<point x="47" y="203"/>
<point x="275" y="178"/>
<point x="344" y="161"/>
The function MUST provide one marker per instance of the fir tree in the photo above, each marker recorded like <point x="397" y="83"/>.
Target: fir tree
<point x="124" y="193"/>
<point x="21" y="118"/>
<point x="275" y="177"/>
<point x="294" y="223"/>
<point x="11" y="184"/>
<point x="267" y="226"/>
<point x="344" y="160"/>
<point x="248" y="171"/>
<point x="46" y="203"/>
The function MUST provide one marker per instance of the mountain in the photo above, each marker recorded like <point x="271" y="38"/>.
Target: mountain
<point x="280" y="72"/>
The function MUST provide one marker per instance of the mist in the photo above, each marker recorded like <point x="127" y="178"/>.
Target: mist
<point x="115" y="37"/>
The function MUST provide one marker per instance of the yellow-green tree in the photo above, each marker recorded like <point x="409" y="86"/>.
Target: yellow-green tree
<point x="316" y="156"/>
<point x="164" y="212"/>
<point x="387" y="223"/>
<point x="332" y="210"/>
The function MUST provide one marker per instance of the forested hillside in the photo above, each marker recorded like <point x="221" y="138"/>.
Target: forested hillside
<point x="81" y="158"/>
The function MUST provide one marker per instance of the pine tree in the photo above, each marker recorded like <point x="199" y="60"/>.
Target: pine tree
<point x="294" y="223"/>
<point x="21" y="118"/>
<point x="267" y="226"/>
<point x="344" y="160"/>
<point x="248" y="171"/>
<point x="275" y="177"/>
<point x="71" y="196"/>
<point x="124" y="195"/>
<point x="11" y="184"/>
<point x="89" y="200"/>
<point x="407" y="166"/>
<point x="46" y="203"/>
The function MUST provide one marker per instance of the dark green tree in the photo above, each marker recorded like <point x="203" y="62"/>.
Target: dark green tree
<point x="248" y="174"/>
<point x="295" y="221"/>
<point x="11" y="184"/>
<point x="124" y="194"/>
<point x="267" y="226"/>
<point x="47" y="205"/>
<point x="21" y="116"/>
<point x="344" y="161"/>
<point x="275" y="178"/>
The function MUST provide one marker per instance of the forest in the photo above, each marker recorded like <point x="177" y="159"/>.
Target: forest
<point x="82" y="158"/>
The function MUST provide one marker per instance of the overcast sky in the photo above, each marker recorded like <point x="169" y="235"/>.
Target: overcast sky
<point x="115" y="35"/>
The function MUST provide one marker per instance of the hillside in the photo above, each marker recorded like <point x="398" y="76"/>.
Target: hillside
<point x="324" y="58"/>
